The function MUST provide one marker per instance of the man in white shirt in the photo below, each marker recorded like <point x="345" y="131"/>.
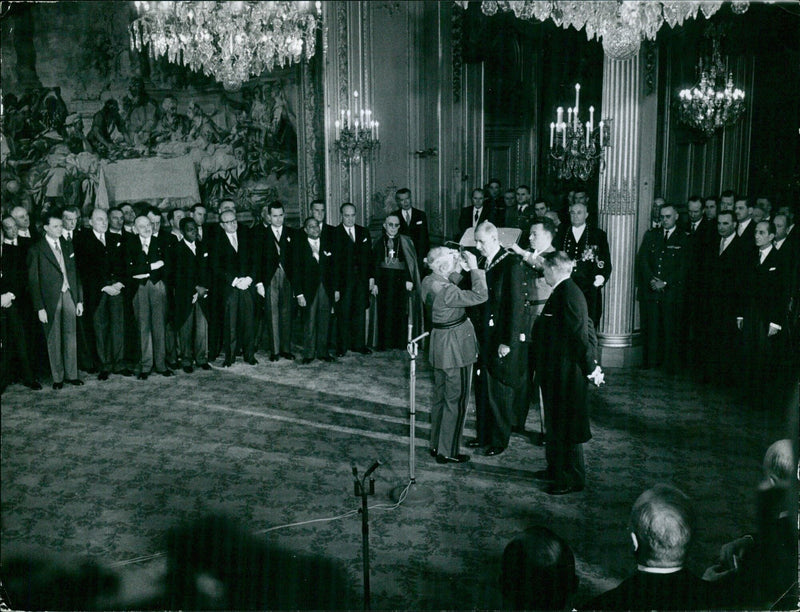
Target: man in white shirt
<point x="57" y="298"/>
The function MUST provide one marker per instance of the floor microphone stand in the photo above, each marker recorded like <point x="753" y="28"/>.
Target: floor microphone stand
<point x="412" y="493"/>
<point x="363" y="491"/>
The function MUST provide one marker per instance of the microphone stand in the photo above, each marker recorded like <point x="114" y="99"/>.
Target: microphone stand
<point x="362" y="491"/>
<point x="412" y="493"/>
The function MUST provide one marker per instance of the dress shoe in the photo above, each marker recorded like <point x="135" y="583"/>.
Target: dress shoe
<point x="227" y="363"/>
<point x="563" y="489"/>
<point x="273" y="357"/>
<point x="58" y="385"/>
<point x="143" y="376"/>
<point x="173" y="365"/>
<point x="434" y="452"/>
<point x="205" y="366"/>
<point x="341" y="353"/>
<point x="125" y="372"/>
<point x="306" y="360"/>
<point x="494" y="450"/>
<point x="34" y="385"/>
<point x="288" y="356"/>
<point x="474" y="443"/>
<point x="167" y="372"/>
<point x="188" y="369"/>
<point x="456" y="459"/>
<point x="364" y="350"/>
<point x="328" y="358"/>
<point x="545" y="475"/>
<point x="103" y="375"/>
<point x="251" y="361"/>
<point x="75" y="382"/>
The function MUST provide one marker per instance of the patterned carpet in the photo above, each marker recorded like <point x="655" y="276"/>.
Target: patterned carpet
<point x="103" y="470"/>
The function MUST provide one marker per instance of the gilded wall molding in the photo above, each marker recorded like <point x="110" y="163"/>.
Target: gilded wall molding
<point x="343" y="81"/>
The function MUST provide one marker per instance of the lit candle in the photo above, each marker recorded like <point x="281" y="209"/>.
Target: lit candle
<point x="559" y="115"/>
<point x="343" y="123"/>
<point x="377" y="131"/>
<point x="587" y="134"/>
<point x="564" y="135"/>
<point x="552" y="131"/>
<point x="601" y="133"/>
<point x="569" y="115"/>
<point x="577" y="96"/>
<point x="591" y="116"/>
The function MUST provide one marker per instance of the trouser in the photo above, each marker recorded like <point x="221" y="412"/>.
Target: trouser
<point x="523" y="391"/>
<point x="451" y="388"/>
<point x="277" y="313"/>
<point x="193" y="337"/>
<point x="351" y="318"/>
<point x="15" y="356"/>
<point x="483" y="413"/>
<point x="62" y="340"/>
<point x="238" y="328"/>
<point x="316" y="317"/>
<point x="501" y="405"/>
<point x="565" y="463"/>
<point x="108" y="322"/>
<point x="148" y="308"/>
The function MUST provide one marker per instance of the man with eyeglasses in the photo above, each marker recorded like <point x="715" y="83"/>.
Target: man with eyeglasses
<point x="231" y="265"/>
<point x="396" y="276"/>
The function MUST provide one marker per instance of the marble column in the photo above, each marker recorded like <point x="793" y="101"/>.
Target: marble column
<point x="624" y="199"/>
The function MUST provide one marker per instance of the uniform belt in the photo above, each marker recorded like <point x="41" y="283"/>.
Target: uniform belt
<point x="451" y="324"/>
<point x="532" y="303"/>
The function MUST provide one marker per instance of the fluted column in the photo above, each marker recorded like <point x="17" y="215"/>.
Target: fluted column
<point x="624" y="188"/>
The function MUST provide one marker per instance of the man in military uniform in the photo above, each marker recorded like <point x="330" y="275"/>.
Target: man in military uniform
<point x="453" y="347"/>
<point x="588" y="248"/>
<point x="663" y="263"/>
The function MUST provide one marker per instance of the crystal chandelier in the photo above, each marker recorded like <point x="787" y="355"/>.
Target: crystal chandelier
<point x="621" y="25"/>
<point x="713" y="102"/>
<point x="357" y="134"/>
<point x="577" y="149"/>
<point x="230" y="41"/>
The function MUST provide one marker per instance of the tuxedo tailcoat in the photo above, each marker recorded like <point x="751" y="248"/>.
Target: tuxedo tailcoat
<point x="316" y="281"/>
<point x="188" y="272"/>
<point x="416" y="229"/>
<point x="353" y="269"/>
<point x="274" y="268"/>
<point x="228" y="264"/>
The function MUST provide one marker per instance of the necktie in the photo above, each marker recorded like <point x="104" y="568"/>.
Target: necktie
<point x="762" y="256"/>
<point x="407" y="216"/>
<point x="103" y="239"/>
<point x="721" y="246"/>
<point x="477" y="214"/>
<point x="62" y="265"/>
<point x="351" y="233"/>
<point x="234" y="242"/>
<point x="146" y="247"/>
<point x="315" y="248"/>
<point x="666" y="235"/>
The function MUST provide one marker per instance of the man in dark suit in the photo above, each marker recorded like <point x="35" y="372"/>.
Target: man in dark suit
<point x="353" y="247"/>
<point x="662" y="525"/>
<point x="522" y="215"/>
<point x="231" y="262"/>
<point x="499" y="363"/>
<point x="316" y="284"/>
<point x="189" y="273"/>
<point x="16" y="360"/>
<point x="273" y="270"/>
<point x="145" y="262"/>
<point x="101" y="263"/>
<point x="566" y="358"/>
<point x="327" y="242"/>
<point x="700" y="230"/>
<point x="663" y="262"/>
<point x="413" y="222"/>
<point x="588" y="248"/>
<point x="88" y="360"/>
<point x="473" y="215"/>
<point x="23" y="220"/>
<point x="57" y="298"/>
<point x="763" y="314"/>
<point x="745" y="226"/>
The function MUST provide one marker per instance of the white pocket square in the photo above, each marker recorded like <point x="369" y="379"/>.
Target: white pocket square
<point x="772" y="269"/>
<point x="326" y="253"/>
<point x="205" y="254"/>
<point x="419" y="222"/>
<point x="364" y="240"/>
<point x="73" y="255"/>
